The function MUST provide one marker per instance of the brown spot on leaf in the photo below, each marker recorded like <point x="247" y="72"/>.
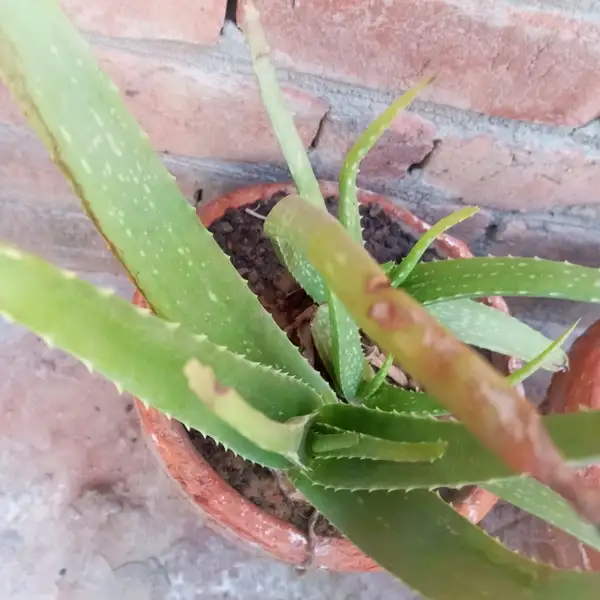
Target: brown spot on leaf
<point x="377" y="283"/>
<point x="387" y="314"/>
<point x="221" y="389"/>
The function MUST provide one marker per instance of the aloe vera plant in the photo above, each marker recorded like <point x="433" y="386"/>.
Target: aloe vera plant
<point x="367" y="454"/>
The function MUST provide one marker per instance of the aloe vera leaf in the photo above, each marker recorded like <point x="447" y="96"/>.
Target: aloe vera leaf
<point x="228" y="405"/>
<point x="454" y="374"/>
<point x="368" y="447"/>
<point x="373" y="385"/>
<point x="141" y="353"/>
<point x="348" y="214"/>
<point x="401" y="271"/>
<point x="290" y="143"/>
<point x="321" y="335"/>
<point x="329" y="442"/>
<point x="421" y="540"/>
<point x="466" y="461"/>
<point x="346" y="364"/>
<point x="536" y="499"/>
<point x="479" y="325"/>
<point x="506" y="276"/>
<point x="528" y="369"/>
<point x="347" y="355"/>
<point x="390" y="398"/>
<point x="124" y="187"/>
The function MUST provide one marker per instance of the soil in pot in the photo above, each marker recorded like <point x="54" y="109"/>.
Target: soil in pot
<point x="240" y="233"/>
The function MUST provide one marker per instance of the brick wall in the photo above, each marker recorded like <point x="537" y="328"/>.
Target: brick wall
<point x="510" y="124"/>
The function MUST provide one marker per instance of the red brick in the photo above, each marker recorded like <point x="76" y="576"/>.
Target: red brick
<point x="188" y="21"/>
<point x="554" y="241"/>
<point x="193" y="112"/>
<point x="408" y="141"/>
<point x="484" y="170"/>
<point x="491" y="56"/>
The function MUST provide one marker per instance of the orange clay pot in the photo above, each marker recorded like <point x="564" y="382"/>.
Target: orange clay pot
<point x="578" y="388"/>
<point x="232" y="514"/>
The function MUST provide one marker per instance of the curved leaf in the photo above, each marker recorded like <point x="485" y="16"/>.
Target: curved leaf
<point x="142" y="353"/>
<point x="390" y="398"/>
<point x="346" y="349"/>
<point x="349" y="214"/>
<point x="507" y="276"/>
<point x="401" y="271"/>
<point x="290" y="143"/>
<point x="367" y="447"/>
<point x="528" y="369"/>
<point x="479" y="325"/>
<point x="425" y="543"/>
<point x="373" y="385"/>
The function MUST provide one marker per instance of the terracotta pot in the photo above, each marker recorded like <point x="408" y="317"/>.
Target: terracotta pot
<point x="578" y="388"/>
<point x="233" y="514"/>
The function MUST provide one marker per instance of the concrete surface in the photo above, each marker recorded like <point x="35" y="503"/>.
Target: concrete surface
<point x="86" y="513"/>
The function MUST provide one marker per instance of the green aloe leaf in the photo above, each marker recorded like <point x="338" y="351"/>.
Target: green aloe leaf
<point x="373" y="385"/>
<point x="291" y="145"/>
<point x="349" y="214"/>
<point x="479" y="325"/>
<point x="528" y="369"/>
<point x="466" y="460"/>
<point x="421" y="540"/>
<point x="143" y="354"/>
<point x="287" y="439"/>
<point x="454" y="374"/>
<point x="507" y="276"/>
<point x="401" y="271"/>
<point x="320" y="329"/>
<point x="390" y="398"/>
<point x="337" y="341"/>
<point x="367" y="447"/>
<point x="131" y="197"/>
<point x="538" y="500"/>
<point x="346" y="349"/>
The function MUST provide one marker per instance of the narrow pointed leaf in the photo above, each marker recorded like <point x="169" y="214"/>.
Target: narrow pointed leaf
<point x="290" y="143"/>
<point x="141" y="353"/>
<point x="228" y="405"/>
<point x="373" y="385"/>
<point x="390" y="398"/>
<point x="124" y="187"/>
<point x="332" y="440"/>
<point x="466" y="460"/>
<point x="480" y="325"/>
<point x="421" y="540"/>
<point x="507" y="276"/>
<point x="454" y="374"/>
<point x="320" y="329"/>
<point x="368" y="447"/>
<point x="538" y="500"/>
<point x="349" y="214"/>
<point x="528" y="369"/>
<point x="346" y="349"/>
<point x="401" y="271"/>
